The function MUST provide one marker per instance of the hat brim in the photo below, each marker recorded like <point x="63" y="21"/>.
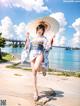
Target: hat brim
<point x="52" y="25"/>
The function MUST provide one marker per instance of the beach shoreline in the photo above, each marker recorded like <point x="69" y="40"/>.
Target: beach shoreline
<point x="16" y="88"/>
<point x="16" y="64"/>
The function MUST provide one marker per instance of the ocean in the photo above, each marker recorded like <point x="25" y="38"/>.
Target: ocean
<point x="59" y="58"/>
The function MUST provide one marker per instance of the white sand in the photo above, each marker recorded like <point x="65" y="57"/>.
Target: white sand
<point x="18" y="91"/>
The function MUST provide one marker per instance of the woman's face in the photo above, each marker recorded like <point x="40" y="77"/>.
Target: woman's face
<point x="40" y="32"/>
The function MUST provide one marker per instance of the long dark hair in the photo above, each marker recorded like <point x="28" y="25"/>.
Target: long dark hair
<point x="40" y="26"/>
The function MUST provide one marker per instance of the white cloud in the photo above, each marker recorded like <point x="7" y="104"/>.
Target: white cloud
<point x="11" y="31"/>
<point x="29" y="5"/>
<point x="76" y="25"/>
<point x="62" y="41"/>
<point x="76" y="35"/>
<point x="7" y="27"/>
<point x="60" y="36"/>
<point x="20" y="31"/>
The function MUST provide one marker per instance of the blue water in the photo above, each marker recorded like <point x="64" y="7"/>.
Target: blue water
<point x="65" y="59"/>
<point x="59" y="58"/>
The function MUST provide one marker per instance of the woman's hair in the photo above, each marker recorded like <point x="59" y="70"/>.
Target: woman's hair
<point x="40" y="26"/>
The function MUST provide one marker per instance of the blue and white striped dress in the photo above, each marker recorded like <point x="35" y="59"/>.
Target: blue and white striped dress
<point x="44" y="48"/>
<point x="35" y="52"/>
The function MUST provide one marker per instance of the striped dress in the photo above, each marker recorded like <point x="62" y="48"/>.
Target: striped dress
<point x="39" y="45"/>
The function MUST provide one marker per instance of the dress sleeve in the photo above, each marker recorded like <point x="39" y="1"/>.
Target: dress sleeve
<point x="46" y="44"/>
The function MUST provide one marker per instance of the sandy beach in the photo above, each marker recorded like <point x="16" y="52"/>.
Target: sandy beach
<point x="16" y="89"/>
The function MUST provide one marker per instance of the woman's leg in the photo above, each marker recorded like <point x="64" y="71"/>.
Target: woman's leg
<point x="35" y="65"/>
<point x="38" y="62"/>
<point x="34" y="76"/>
<point x="34" y="80"/>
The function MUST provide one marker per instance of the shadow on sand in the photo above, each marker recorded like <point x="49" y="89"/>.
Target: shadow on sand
<point x="48" y="95"/>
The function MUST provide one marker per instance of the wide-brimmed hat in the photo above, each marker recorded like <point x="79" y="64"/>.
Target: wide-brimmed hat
<point x="51" y="25"/>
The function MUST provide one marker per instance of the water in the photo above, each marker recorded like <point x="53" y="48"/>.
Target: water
<point x="65" y="59"/>
<point x="59" y="58"/>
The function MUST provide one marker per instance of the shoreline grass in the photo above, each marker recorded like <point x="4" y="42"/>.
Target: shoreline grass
<point x="6" y="57"/>
<point x="50" y="71"/>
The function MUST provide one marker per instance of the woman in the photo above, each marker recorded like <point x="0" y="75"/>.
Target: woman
<point x="38" y="45"/>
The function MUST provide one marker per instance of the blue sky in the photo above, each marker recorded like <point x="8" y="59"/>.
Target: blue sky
<point x="19" y="14"/>
<point x="70" y="9"/>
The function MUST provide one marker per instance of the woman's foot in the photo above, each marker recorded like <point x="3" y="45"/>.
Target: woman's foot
<point x="36" y="97"/>
<point x="44" y="71"/>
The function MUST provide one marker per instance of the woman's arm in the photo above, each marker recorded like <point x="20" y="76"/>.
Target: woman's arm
<point x="27" y="40"/>
<point x="48" y="43"/>
<point x="51" y="41"/>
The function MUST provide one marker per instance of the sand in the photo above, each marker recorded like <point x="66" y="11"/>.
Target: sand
<point x="17" y="89"/>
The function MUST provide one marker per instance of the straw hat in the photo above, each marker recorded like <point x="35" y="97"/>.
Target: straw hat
<point x="51" y="25"/>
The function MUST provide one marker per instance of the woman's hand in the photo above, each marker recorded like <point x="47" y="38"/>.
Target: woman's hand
<point x="51" y="40"/>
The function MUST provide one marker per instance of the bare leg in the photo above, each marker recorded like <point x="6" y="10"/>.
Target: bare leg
<point x="34" y="80"/>
<point x="35" y="65"/>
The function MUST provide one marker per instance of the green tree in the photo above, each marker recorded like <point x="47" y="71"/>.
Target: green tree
<point x="2" y="44"/>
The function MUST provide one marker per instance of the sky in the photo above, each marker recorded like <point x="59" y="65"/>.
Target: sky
<point x="16" y="14"/>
